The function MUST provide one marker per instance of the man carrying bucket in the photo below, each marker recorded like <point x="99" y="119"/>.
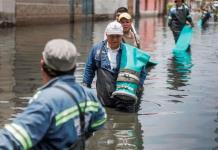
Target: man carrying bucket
<point x="178" y="16"/>
<point x="105" y="59"/>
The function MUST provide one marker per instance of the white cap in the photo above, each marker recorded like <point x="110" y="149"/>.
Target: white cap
<point x="60" y="55"/>
<point x="114" y="28"/>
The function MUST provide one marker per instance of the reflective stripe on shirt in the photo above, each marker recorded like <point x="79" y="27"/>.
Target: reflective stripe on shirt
<point x="35" y="96"/>
<point x="72" y="112"/>
<point x="20" y="134"/>
<point x="99" y="122"/>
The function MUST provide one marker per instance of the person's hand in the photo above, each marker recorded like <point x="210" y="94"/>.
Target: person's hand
<point x="192" y="25"/>
<point x="86" y="85"/>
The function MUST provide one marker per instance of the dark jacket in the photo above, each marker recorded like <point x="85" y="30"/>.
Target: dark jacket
<point x="178" y="16"/>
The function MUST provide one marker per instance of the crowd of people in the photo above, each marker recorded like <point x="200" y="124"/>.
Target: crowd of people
<point x="63" y="114"/>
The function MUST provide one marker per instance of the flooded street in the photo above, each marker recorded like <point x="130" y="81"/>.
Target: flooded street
<point x="179" y="108"/>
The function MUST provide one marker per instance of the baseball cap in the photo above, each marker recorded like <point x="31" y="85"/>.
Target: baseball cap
<point x="125" y="15"/>
<point x="60" y="55"/>
<point x="114" y="28"/>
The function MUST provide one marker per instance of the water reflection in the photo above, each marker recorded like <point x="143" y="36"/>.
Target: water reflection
<point x="179" y="70"/>
<point x="7" y="80"/>
<point x="81" y="34"/>
<point x="123" y="131"/>
<point x="20" y="53"/>
<point x="147" y="33"/>
<point x="216" y="131"/>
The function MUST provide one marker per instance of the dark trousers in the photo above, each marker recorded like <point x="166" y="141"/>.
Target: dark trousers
<point x="176" y="35"/>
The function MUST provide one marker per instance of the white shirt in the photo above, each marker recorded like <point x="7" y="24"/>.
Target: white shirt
<point x="112" y="56"/>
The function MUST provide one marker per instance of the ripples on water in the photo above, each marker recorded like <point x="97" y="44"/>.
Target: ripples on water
<point x="179" y="108"/>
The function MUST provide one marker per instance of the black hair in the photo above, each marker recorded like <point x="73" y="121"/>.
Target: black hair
<point x="183" y="1"/>
<point x="120" y="10"/>
<point x="55" y="73"/>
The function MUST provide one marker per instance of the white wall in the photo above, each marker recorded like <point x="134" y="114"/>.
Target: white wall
<point x="108" y="6"/>
<point x="1" y="3"/>
<point x="7" y="10"/>
<point x="7" y="6"/>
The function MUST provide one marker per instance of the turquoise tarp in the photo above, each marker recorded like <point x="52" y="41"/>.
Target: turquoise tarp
<point x="199" y="23"/>
<point x="133" y="58"/>
<point x="184" y="40"/>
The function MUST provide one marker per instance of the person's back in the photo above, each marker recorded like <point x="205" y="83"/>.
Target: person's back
<point x="64" y="115"/>
<point x="59" y="112"/>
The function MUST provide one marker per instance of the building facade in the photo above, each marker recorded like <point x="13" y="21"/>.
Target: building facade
<point x="7" y="12"/>
<point x="152" y="7"/>
<point x="24" y="12"/>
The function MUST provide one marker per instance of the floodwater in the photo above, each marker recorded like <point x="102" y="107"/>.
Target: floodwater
<point x="179" y="108"/>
